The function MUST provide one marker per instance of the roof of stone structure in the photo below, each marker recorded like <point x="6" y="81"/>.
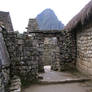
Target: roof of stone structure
<point x="82" y="19"/>
<point x="4" y="13"/>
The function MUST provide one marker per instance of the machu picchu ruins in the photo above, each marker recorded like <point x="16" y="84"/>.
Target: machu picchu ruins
<point x="68" y="52"/>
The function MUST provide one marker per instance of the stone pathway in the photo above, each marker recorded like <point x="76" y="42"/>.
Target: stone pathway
<point x="75" y="87"/>
<point x="61" y="77"/>
<point x="61" y="82"/>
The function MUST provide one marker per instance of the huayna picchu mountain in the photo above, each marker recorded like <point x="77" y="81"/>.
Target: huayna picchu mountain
<point x="47" y="20"/>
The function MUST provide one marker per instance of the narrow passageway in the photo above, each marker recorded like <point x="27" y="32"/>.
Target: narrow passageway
<point x="57" y="82"/>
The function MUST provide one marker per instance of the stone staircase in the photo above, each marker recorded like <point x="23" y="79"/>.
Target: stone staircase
<point x="15" y="84"/>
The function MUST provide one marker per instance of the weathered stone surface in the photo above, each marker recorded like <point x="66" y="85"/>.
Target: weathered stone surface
<point x="4" y="64"/>
<point x="32" y="25"/>
<point x="67" y="46"/>
<point x="6" y="21"/>
<point x="15" y="84"/>
<point x="66" y="43"/>
<point x="26" y="53"/>
<point x="84" y="52"/>
<point x="23" y="56"/>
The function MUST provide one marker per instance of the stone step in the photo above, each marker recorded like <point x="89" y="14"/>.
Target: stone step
<point x="64" y="81"/>
<point x="15" y="85"/>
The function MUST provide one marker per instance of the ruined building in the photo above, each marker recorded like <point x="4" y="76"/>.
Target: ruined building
<point x="32" y="25"/>
<point x="22" y="56"/>
<point x="17" y="60"/>
<point x="81" y="26"/>
<point x="6" y="20"/>
<point x="62" y="52"/>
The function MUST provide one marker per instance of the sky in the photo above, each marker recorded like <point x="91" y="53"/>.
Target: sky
<point x="22" y="10"/>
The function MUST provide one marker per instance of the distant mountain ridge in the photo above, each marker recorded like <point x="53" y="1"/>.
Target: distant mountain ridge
<point x="47" y="20"/>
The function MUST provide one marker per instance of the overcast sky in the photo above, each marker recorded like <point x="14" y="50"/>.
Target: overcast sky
<point x="22" y="10"/>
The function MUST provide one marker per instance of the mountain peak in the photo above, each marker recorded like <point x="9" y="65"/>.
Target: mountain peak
<point x="48" y="10"/>
<point x="47" y="20"/>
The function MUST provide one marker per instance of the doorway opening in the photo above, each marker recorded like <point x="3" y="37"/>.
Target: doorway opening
<point x="51" y="54"/>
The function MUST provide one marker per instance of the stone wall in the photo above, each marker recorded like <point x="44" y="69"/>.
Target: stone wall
<point x="4" y="64"/>
<point x="55" y="62"/>
<point x="38" y="43"/>
<point x="50" y="50"/>
<point x="67" y="45"/>
<point x="22" y="55"/>
<point x="12" y="48"/>
<point x="29" y="59"/>
<point x="32" y="25"/>
<point x="66" y="42"/>
<point x="49" y="54"/>
<point x="15" y="84"/>
<point x="84" y="51"/>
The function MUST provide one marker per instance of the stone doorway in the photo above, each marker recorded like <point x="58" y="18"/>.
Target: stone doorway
<point x="48" y="44"/>
<point x="51" y="51"/>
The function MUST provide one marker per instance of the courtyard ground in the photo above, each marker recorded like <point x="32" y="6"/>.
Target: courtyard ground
<point x="61" y="82"/>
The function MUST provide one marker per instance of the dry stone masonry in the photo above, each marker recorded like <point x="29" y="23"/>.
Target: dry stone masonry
<point x="29" y="59"/>
<point x="4" y="64"/>
<point x="81" y="25"/>
<point x="23" y="56"/>
<point x="18" y="58"/>
<point x="6" y="21"/>
<point x="32" y="25"/>
<point x="67" y="49"/>
<point x="84" y="51"/>
<point x="65" y="43"/>
<point x="15" y="84"/>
